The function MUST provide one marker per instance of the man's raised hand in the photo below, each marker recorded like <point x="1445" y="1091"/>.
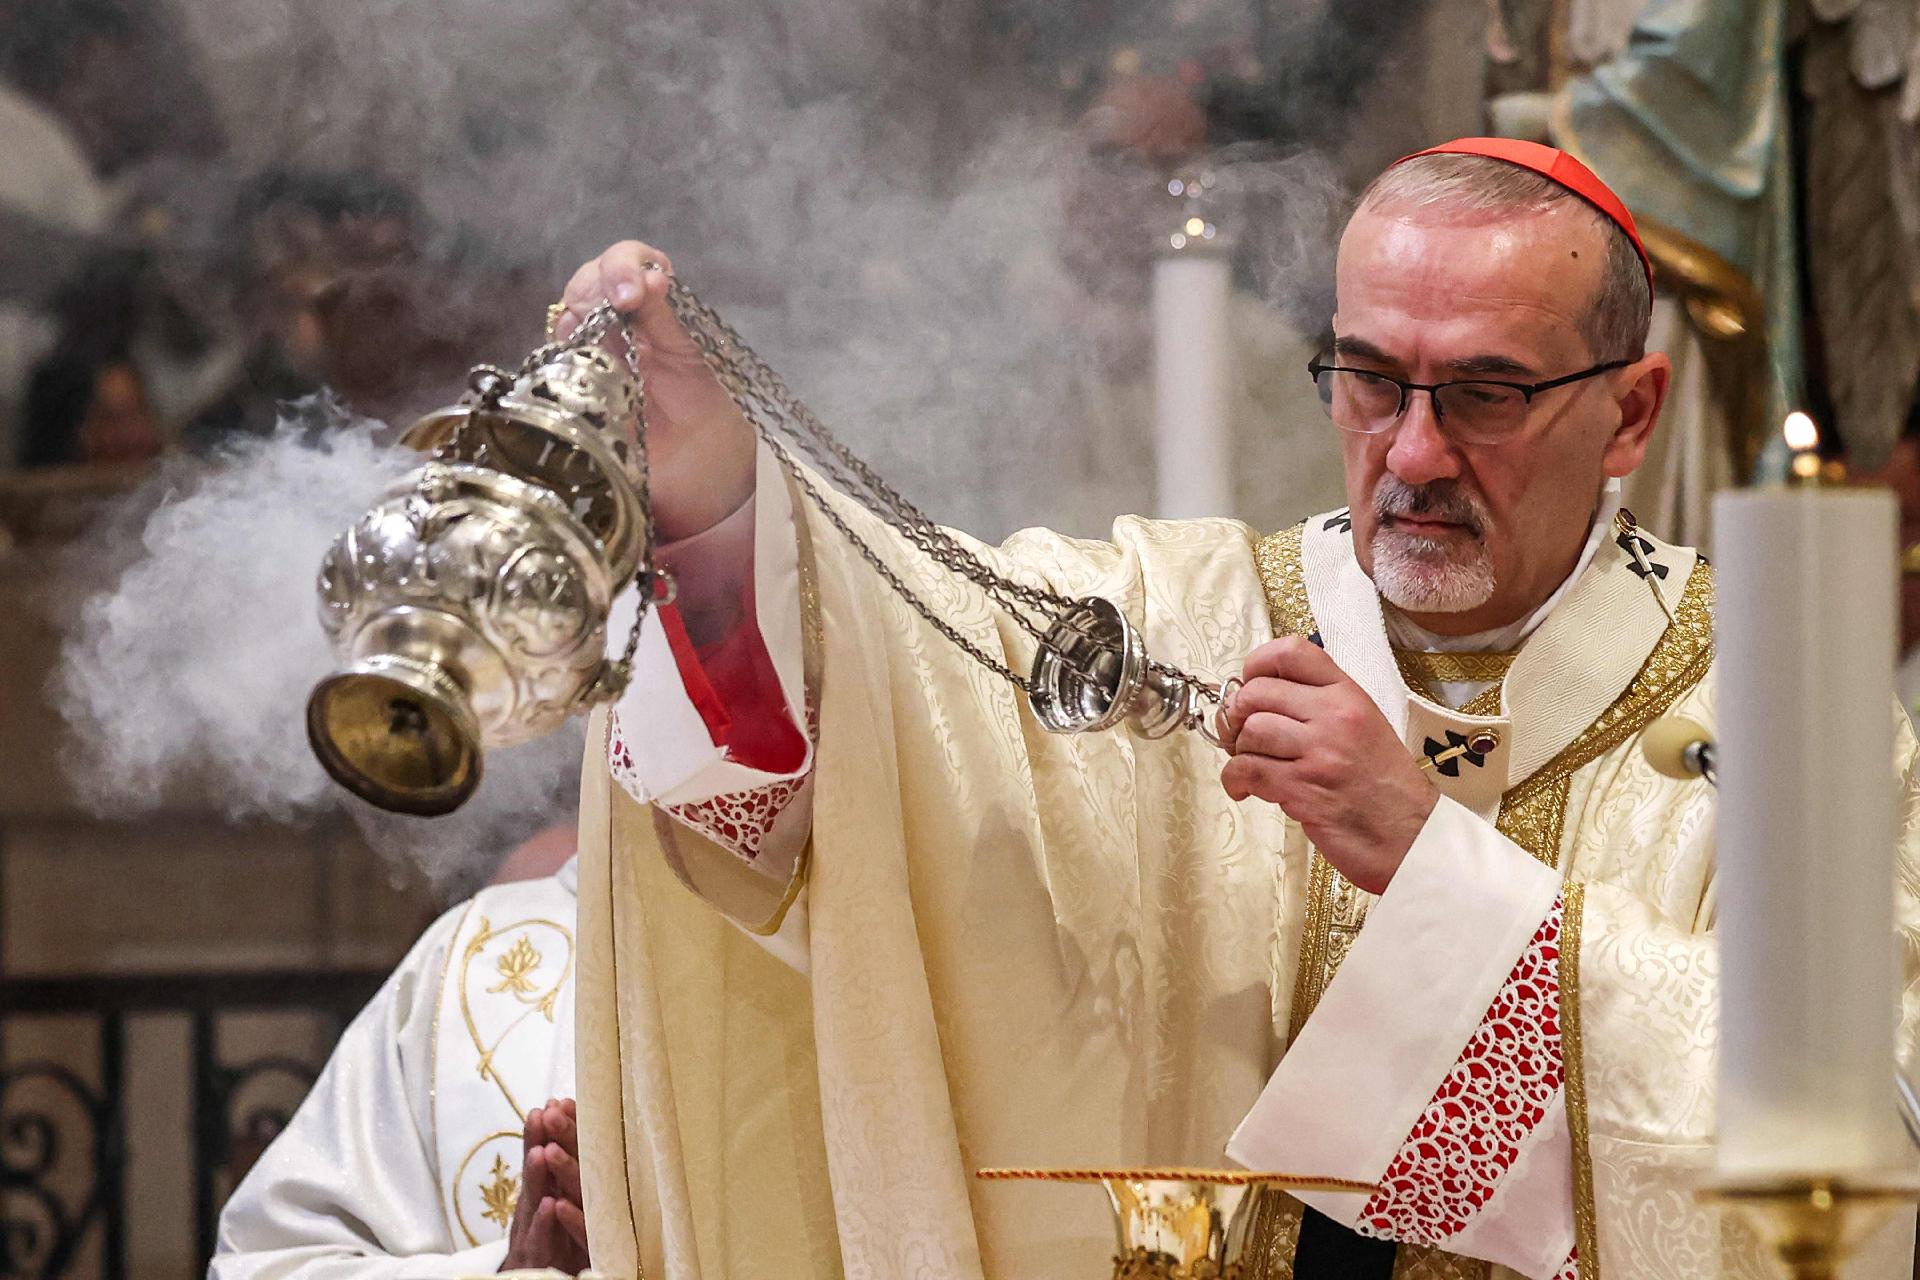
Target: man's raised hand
<point x="1304" y="736"/>
<point x="701" y="449"/>
<point x="549" y="1227"/>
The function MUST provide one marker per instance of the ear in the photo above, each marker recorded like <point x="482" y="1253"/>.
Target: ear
<point x="1644" y="390"/>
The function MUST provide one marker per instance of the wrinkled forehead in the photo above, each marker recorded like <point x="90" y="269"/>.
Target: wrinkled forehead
<point x="1519" y="274"/>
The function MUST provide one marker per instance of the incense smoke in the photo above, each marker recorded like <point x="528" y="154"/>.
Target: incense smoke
<point x="188" y="675"/>
<point x="899" y="214"/>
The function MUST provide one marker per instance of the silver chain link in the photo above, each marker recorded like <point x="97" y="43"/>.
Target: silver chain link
<point x="778" y="416"/>
<point x="489" y="382"/>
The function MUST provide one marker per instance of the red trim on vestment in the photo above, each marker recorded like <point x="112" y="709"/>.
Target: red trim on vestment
<point x="733" y="684"/>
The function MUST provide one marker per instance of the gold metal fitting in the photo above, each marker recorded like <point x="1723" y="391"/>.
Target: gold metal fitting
<point x="1812" y="1222"/>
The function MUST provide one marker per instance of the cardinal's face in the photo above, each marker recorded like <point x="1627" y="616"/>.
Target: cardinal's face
<point x="1468" y="536"/>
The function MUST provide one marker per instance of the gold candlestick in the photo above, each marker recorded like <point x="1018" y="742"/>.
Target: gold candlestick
<point x="1813" y="1222"/>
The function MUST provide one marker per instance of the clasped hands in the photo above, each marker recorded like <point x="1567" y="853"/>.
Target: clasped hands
<point x="549" y="1227"/>
<point x="1305" y="736"/>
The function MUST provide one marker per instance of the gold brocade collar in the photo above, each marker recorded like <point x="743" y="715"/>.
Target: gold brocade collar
<point x="1426" y="670"/>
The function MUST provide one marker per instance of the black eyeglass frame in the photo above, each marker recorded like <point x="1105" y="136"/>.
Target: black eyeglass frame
<point x="1527" y="390"/>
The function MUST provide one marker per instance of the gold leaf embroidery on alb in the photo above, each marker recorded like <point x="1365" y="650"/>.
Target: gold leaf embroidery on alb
<point x="500" y="1194"/>
<point x="518" y="985"/>
<point x="465" y="1177"/>
<point x="515" y="964"/>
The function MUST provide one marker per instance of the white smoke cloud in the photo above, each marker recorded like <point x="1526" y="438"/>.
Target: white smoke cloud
<point x="187" y="676"/>
<point x="918" y="237"/>
<point x="901" y="215"/>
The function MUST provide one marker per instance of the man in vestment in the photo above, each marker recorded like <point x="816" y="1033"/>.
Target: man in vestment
<point x="854" y="925"/>
<point x="440" y="1139"/>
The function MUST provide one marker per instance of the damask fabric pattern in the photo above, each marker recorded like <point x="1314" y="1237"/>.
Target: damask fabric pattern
<point x="1637" y="852"/>
<point x="1145" y="936"/>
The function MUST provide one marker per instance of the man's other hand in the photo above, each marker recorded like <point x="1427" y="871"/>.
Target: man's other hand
<point x="1304" y="736"/>
<point x="549" y="1226"/>
<point x="700" y="446"/>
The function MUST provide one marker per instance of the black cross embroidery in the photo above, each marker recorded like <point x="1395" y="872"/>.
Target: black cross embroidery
<point x="1628" y="541"/>
<point x="1450" y="767"/>
<point x="1341" y="520"/>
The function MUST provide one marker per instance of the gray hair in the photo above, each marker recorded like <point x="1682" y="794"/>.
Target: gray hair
<point x="1616" y="324"/>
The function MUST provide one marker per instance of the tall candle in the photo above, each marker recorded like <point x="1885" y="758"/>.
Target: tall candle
<point x="1192" y="375"/>
<point x="1809" y="988"/>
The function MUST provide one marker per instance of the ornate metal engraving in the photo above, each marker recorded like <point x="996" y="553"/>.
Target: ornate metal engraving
<point x="469" y="606"/>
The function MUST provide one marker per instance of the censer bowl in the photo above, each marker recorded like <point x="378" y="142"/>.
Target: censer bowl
<point x="398" y="734"/>
<point x="468" y="608"/>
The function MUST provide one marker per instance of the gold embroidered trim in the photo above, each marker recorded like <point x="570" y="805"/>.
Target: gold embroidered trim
<point x="1484" y="703"/>
<point x="433" y="1036"/>
<point x="1277" y="560"/>
<point x="1315" y="934"/>
<point x="459" y="1209"/>
<point x="1537" y="820"/>
<point x="1678" y="660"/>
<point x="1423" y="668"/>
<point x="1424" y="1262"/>
<point x="1573" y="1062"/>
<point x="1273" y="1237"/>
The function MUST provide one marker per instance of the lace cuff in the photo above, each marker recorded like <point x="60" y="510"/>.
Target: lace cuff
<point x="1431" y="1065"/>
<point x="1487" y="1128"/>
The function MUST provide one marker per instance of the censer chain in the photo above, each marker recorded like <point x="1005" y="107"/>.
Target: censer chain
<point x="773" y="410"/>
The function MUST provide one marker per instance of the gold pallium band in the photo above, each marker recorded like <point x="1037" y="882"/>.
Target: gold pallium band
<point x="1532" y="815"/>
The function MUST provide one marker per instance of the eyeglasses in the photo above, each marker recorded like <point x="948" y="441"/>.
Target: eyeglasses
<point x="1473" y="411"/>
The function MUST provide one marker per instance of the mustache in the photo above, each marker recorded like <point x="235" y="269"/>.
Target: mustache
<point x="1437" y="500"/>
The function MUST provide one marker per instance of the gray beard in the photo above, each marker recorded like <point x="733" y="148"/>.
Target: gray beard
<point x="1421" y="575"/>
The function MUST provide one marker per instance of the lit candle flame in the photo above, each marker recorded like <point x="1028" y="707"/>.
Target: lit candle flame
<point x="1800" y="432"/>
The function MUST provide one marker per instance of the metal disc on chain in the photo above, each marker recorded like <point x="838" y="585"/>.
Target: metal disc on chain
<point x="469" y="608"/>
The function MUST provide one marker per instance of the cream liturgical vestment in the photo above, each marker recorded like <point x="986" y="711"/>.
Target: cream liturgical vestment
<point x="813" y="1003"/>
<point x="404" y="1161"/>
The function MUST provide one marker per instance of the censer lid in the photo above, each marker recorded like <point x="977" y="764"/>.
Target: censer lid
<point x="391" y="734"/>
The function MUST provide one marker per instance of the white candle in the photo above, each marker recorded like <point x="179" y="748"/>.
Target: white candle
<point x="1192" y="375"/>
<point x="1809" y="990"/>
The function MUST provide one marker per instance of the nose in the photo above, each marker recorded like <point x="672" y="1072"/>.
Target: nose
<point x="1420" y="452"/>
